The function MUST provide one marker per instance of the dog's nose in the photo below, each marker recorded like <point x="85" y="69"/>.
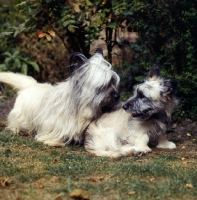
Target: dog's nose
<point x="116" y="96"/>
<point x="125" y="106"/>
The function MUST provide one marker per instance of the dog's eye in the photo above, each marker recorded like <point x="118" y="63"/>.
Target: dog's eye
<point x="140" y="94"/>
<point x="115" y="95"/>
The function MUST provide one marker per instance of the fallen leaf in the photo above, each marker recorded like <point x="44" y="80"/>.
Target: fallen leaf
<point x="152" y="179"/>
<point x="96" y="179"/>
<point x="55" y="160"/>
<point x="131" y="192"/>
<point x="60" y="196"/>
<point x="53" y="178"/>
<point x="189" y="134"/>
<point x="52" y="33"/>
<point x="41" y="34"/>
<point x="48" y="37"/>
<point x="39" y="185"/>
<point x="5" y="182"/>
<point x="80" y="194"/>
<point x="189" y="186"/>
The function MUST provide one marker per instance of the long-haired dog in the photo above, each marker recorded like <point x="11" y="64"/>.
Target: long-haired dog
<point x="139" y="123"/>
<point x="59" y="114"/>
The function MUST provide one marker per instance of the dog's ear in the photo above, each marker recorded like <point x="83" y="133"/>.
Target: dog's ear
<point x="76" y="61"/>
<point x="170" y="85"/>
<point x="100" y="51"/>
<point x="154" y="73"/>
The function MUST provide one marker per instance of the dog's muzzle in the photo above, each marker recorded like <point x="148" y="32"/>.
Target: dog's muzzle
<point x="134" y="114"/>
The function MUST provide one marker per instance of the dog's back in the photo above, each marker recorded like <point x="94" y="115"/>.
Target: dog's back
<point x="17" y="81"/>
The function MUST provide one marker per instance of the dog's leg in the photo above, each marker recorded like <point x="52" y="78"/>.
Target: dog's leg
<point x="49" y="141"/>
<point x="141" y="144"/>
<point x="164" y="143"/>
<point x="14" y="122"/>
<point x="125" y="150"/>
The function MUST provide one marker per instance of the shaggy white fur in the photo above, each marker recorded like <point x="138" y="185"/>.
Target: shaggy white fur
<point x="60" y="113"/>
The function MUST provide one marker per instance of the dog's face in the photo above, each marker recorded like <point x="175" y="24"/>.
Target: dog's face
<point x="94" y="82"/>
<point x="109" y="94"/>
<point x="152" y="97"/>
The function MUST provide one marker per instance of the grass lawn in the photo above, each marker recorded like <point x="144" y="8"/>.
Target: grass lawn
<point x="30" y="170"/>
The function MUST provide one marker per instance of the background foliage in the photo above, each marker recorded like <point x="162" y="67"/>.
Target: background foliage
<point x="167" y="36"/>
<point x="12" y="59"/>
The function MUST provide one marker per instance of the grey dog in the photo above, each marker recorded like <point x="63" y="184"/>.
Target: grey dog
<point x="137" y="124"/>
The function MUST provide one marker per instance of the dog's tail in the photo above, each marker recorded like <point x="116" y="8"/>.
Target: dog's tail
<point x="17" y="81"/>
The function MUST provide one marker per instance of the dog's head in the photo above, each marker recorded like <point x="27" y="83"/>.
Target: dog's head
<point x="155" y="96"/>
<point x="94" y="82"/>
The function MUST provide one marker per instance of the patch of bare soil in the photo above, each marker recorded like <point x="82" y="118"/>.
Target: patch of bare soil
<point x="5" y="106"/>
<point x="184" y="131"/>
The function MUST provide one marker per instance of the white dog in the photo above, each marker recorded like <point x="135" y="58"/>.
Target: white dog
<point x="59" y="114"/>
<point x="141" y="123"/>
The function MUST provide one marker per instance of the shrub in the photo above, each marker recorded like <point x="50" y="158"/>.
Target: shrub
<point x="167" y="31"/>
<point x="167" y="36"/>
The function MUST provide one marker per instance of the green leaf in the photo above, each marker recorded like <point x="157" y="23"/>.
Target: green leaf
<point x="72" y="28"/>
<point x="98" y="21"/>
<point x="24" y="68"/>
<point x="7" y="33"/>
<point x="17" y="63"/>
<point x="101" y="14"/>
<point x="8" y="54"/>
<point x="139" y="78"/>
<point x="16" y="53"/>
<point x="7" y="61"/>
<point x="112" y="25"/>
<point x="35" y="66"/>
<point x="69" y="22"/>
<point x="23" y="2"/>
<point x="16" y="33"/>
<point x="2" y="67"/>
<point x="88" y="3"/>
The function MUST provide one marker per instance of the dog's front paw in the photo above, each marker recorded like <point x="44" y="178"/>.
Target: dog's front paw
<point x="166" y="145"/>
<point x="140" y="151"/>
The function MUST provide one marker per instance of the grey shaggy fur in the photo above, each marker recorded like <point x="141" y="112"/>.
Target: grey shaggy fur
<point x="141" y="123"/>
